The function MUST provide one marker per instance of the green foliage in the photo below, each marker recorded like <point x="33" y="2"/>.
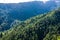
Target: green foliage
<point x="41" y="27"/>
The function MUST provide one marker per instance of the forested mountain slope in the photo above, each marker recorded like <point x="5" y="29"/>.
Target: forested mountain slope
<point x="42" y="27"/>
<point x="11" y="12"/>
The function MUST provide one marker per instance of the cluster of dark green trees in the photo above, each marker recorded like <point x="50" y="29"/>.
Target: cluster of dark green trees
<point x="42" y="27"/>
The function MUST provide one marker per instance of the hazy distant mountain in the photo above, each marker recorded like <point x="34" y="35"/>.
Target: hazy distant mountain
<point x="5" y="20"/>
<point x="23" y="11"/>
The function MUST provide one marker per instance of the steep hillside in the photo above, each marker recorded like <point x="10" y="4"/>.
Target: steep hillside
<point x="22" y="11"/>
<point x="41" y="27"/>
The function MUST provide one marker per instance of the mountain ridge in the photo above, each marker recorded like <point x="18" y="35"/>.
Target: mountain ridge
<point x="23" y="11"/>
<point x="37" y="28"/>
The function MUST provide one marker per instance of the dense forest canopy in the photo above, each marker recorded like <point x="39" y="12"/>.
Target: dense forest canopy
<point x="30" y="21"/>
<point x="41" y="27"/>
